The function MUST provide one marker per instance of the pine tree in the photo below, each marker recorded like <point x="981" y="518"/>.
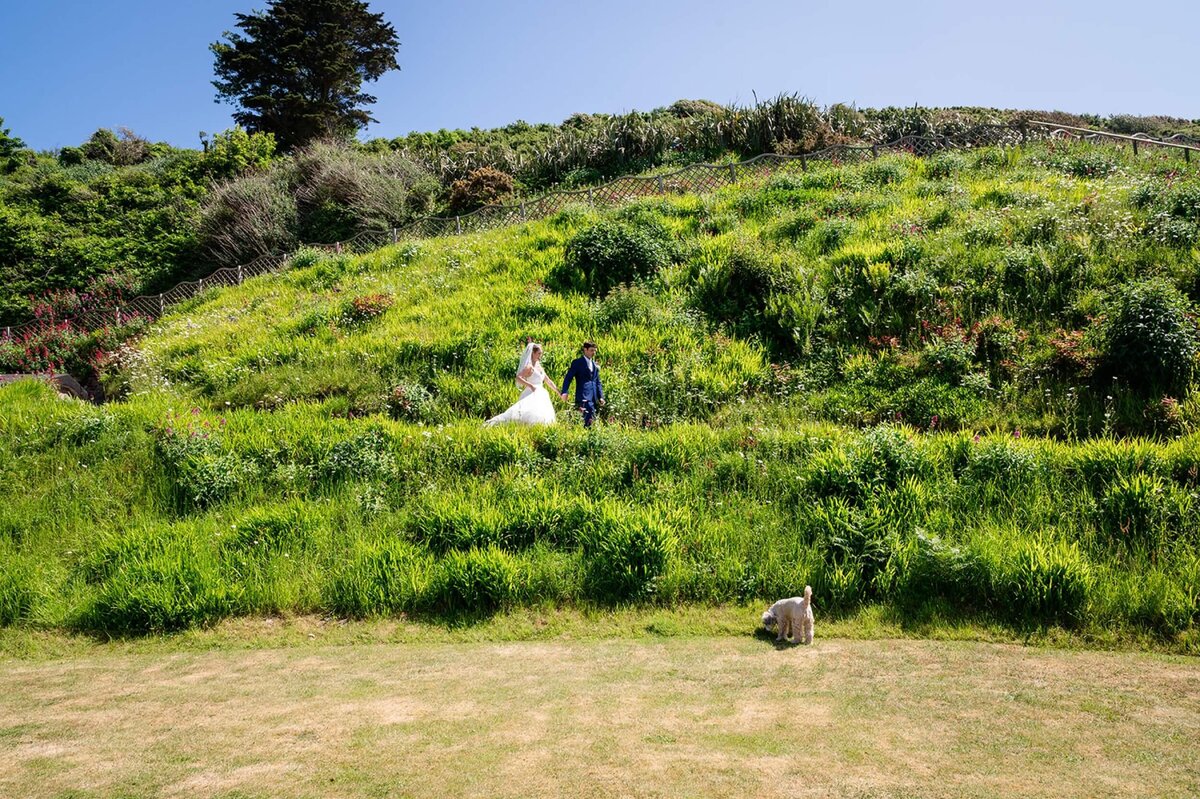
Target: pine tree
<point x="297" y="69"/>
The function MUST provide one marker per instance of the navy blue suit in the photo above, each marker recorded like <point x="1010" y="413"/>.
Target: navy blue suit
<point x="588" y="390"/>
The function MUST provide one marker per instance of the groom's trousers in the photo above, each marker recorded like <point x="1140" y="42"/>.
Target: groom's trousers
<point x="588" y="408"/>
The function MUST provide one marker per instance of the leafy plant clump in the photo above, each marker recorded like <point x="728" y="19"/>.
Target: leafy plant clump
<point x="1149" y="339"/>
<point x="610" y="253"/>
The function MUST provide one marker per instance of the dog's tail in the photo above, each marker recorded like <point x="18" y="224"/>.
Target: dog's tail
<point x="808" y="593"/>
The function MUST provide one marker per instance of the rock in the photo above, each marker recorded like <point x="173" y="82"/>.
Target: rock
<point x="64" y="383"/>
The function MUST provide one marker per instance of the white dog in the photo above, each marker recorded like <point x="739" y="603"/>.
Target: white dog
<point x="793" y="617"/>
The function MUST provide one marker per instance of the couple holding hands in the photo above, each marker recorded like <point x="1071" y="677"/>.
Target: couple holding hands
<point x="535" y="406"/>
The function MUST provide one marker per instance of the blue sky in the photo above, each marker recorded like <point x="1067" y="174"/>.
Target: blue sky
<point x="68" y="67"/>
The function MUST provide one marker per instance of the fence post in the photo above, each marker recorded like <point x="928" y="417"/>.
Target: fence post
<point x="118" y="316"/>
<point x="458" y="224"/>
<point x="337" y="247"/>
<point x="395" y="235"/>
<point x="1187" y="156"/>
<point x="591" y="199"/>
<point x="659" y="182"/>
<point x="874" y="150"/>
<point x="732" y="173"/>
<point x="201" y="285"/>
<point x="522" y="212"/>
<point x="162" y="308"/>
<point x="1135" y="146"/>
<point x="803" y="162"/>
<point x="239" y="274"/>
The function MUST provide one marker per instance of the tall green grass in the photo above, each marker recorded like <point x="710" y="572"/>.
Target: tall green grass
<point x="879" y="380"/>
<point x="381" y="517"/>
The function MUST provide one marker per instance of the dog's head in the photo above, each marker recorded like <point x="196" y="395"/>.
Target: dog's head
<point x="768" y="619"/>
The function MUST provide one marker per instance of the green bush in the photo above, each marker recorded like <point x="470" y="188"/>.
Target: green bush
<point x="477" y="581"/>
<point x="884" y="171"/>
<point x="266" y="532"/>
<point x="625" y="556"/>
<point x="1148" y="338"/>
<point x="156" y="581"/>
<point x="1002" y="465"/>
<point x="382" y="578"/>
<point x="1164" y="603"/>
<point x="739" y="290"/>
<point x="949" y="359"/>
<point x="633" y="305"/>
<point x="830" y="234"/>
<point x="1135" y="511"/>
<point x="1040" y="580"/>
<point x="946" y="164"/>
<point x="411" y="402"/>
<point x="610" y="253"/>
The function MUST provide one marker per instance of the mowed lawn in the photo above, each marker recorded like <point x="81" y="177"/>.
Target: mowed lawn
<point x="640" y="716"/>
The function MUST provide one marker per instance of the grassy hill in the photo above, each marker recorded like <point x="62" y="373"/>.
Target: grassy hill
<point x="960" y="387"/>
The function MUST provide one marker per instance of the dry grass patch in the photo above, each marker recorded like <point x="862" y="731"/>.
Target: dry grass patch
<point x="677" y="717"/>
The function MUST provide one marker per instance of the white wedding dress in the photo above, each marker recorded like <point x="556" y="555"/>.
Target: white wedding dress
<point x="533" y="407"/>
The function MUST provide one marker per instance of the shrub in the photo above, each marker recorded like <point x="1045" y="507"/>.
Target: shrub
<point x="248" y="217"/>
<point x="235" y="151"/>
<point x="269" y="531"/>
<point x="884" y="171"/>
<point x="863" y="539"/>
<point x="155" y="581"/>
<point x="1148" y="338"/>
<point x="381" y="578"/>
<point x="830" y="234"/>
<point x="483" y="186"/>
<point x="1040" y="580"/>
<point x="341" y="191"/>
<point x="1183" y="200"/>
<point x="410" y="402"/>
<point x="1091" y="163"/>
<point x="945" y="164"/>
<point x="627" y="305"/>
<point x="364" y="308"/>
<point x="794" y="226"/>
<point x="739" y="288"/>
<point x="948" y="359"/>
<point x="996" y="341"/>
<point x="610" y="253"/>
<point x="1134" y="511"/>
<point x="625" y="554"/>
<point x="473" y="582"/>
<point x="200" y="470"/>
<point x="1003" y="465"/>
<point x="885" y="455"/>
<point x="1162" y="602"/>
<point x="942" y="570"/>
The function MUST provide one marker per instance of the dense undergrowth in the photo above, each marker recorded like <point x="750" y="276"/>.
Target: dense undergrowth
<point x="961" y="387"/>
<point x="121" y="211"/>
<point x="126" y="519"/>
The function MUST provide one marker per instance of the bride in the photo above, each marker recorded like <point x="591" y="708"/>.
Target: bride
<point x="534" y="405"/>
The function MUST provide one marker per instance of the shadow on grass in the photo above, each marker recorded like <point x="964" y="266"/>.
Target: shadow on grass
<point x="768" y="637"/>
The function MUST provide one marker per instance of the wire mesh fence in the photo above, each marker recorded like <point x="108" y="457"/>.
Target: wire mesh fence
<point x="691" y="179"/>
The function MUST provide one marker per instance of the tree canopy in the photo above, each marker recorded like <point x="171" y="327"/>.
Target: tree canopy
<point x="296" y="70"/>
<point x="9" y="147"/>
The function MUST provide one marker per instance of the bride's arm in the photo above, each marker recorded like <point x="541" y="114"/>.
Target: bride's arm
<point x="547" y="381"/>
<point x="523" y="377"/>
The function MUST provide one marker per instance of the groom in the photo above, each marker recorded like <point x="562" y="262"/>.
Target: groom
<point x="588" y="392"/>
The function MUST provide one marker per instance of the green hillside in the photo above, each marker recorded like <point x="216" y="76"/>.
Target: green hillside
<point x="959" y="388"/>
